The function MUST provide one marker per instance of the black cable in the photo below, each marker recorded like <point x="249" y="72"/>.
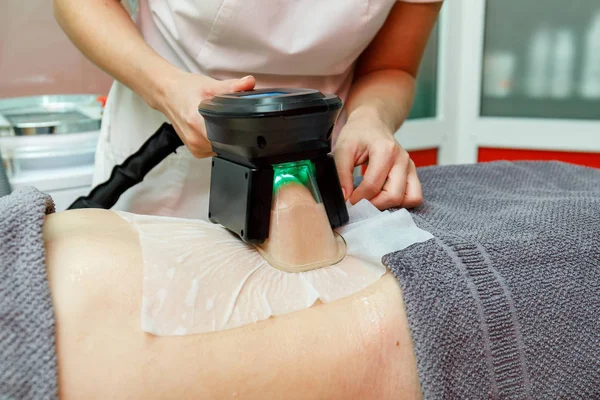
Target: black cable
<point x="133" y="170"/>
<point x="5" y="188"/>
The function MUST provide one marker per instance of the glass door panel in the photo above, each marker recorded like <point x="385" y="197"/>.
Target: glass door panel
<point x="541" y="59"/>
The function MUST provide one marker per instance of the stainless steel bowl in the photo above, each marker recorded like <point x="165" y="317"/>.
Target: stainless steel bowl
<point x="49" y="115"/>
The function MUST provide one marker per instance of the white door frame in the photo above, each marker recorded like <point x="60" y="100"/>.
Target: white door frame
<point x="458" y="129"/>
<point x="473" y="130"/>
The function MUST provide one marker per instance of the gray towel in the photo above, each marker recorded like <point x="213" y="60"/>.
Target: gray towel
<point x="505" y="301"/>
<point x="27" y="345"/>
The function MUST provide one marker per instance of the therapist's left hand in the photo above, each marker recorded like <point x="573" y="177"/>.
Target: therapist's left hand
<point x="391" y="177"/>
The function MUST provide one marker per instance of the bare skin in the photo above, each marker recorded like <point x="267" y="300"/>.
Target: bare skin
<point x="290" y="247"/>
<point x="355" y="348"/>
<point x="379" y="101"/>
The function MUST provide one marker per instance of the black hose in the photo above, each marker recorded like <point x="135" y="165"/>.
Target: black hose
<point x="5" y="188"/>
<point x="133" y="170"/>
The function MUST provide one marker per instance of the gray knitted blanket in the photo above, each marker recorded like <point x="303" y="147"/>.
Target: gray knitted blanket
<point x="504" y="303"/>
<point x="27" y="350"/>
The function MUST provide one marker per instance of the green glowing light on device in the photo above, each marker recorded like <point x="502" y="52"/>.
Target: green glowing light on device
<point x="302" y="172"/>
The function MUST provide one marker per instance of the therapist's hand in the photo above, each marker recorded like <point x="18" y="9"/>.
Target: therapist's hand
<point x="181" y="95"/>
<point x="391" y="177"/>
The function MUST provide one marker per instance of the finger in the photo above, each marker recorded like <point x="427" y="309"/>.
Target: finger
<point x="381" y="160"/>
<point x="393" y="191"/>
<point x="344" y="160"/>
<point x="413" y="195"/>
<point x="236" y="85"/>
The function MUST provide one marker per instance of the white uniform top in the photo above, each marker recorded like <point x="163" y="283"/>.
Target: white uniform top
<point x="283" y="43"/>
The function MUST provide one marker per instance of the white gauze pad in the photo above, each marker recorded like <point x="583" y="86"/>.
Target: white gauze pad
<point x="198" y="277"/>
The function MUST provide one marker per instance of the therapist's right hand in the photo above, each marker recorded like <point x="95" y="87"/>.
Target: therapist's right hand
<point x="179" y="102"/>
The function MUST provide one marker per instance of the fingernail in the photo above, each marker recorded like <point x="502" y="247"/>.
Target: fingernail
<point x="246" y="77"/>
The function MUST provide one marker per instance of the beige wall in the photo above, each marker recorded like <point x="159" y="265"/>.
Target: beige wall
<point x="36" y="57"/>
